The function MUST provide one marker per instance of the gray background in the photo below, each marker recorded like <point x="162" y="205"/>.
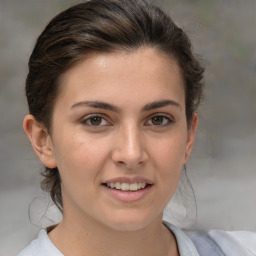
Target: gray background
<point x="223" y="166"/>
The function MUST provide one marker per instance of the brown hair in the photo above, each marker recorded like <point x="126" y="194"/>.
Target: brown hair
<point x="102" y="26"/>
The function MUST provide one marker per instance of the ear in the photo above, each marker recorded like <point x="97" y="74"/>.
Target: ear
<point x="40" y="140"/>
<point x="191" y="137"/>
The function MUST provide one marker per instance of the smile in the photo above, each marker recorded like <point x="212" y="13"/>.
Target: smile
<point x="127" y="186"/>
<point x="128" y="189"/>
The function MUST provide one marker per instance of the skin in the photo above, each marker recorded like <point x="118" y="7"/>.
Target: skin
<point x="125" y="141"/>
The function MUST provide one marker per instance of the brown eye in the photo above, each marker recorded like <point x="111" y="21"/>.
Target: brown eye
<point x="96" y="120"/>
<point x="157" y="120"/>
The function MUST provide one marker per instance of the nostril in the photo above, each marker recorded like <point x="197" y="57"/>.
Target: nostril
<point x="141" y="162"/>
<point x="121" y="162"/>
<point x="129" y="159"/>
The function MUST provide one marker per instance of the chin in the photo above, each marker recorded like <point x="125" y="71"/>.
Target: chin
<point x="129" y="222"/>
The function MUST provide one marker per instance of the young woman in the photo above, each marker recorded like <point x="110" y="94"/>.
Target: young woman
<point x="112" y="89"/>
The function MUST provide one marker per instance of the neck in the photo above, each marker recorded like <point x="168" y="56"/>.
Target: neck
<point x="92" y="238"/>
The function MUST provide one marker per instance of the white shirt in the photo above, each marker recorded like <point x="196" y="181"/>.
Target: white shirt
<point x="194" y="243"/>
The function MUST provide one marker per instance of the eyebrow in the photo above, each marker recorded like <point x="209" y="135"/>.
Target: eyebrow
<point x="160" y="104"/>
<point x="107" y="106"/>
<point x="97" y="104"/>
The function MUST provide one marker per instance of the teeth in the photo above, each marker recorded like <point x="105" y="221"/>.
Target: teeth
<point x="127" y="186"/>
<point x="117" y="185"/>
<point x="133" y="186"/>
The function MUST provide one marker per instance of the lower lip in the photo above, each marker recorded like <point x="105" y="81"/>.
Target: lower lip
<point x="128" y="196"/>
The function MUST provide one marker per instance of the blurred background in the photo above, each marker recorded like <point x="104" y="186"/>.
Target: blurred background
<point x="223" y="165"/>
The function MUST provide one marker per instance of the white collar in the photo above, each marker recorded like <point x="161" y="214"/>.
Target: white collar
<point x="43" y="245"/>
<point x="185" y="244"/>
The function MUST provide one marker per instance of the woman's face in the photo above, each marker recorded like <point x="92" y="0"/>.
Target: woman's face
<point x="119" y="137"/>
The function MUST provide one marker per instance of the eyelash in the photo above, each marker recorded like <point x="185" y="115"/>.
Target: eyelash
<point x="89" y="118"/>
<point x="166" y="118"/>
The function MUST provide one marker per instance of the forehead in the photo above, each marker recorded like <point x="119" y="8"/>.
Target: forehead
<point x="145" y="74"/>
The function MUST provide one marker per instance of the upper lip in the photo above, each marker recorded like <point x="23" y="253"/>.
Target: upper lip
<point x="129" y="180"/>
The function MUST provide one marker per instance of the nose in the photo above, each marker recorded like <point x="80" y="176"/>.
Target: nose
<point x="129" y="148"/>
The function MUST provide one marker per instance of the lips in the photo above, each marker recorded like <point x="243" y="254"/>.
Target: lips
<point x="128" y="189"/>
<point x="127" y="186"/>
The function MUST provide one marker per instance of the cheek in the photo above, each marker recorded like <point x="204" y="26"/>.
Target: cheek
<point x="80" y="163"/>
<point x="168" y="159"/>
<point x="169" y="152"/>
<point x="79" y="155"/>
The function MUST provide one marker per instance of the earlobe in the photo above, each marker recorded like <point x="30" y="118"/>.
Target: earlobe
<point x="40" y="140"/>
<point x="191" y="137"/>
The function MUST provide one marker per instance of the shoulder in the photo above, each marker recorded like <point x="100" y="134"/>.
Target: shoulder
<point x="185" y="244"/>
<point x="214" y="242"/>
<point x="40" y="247"/>
<point x="218" y="242"/>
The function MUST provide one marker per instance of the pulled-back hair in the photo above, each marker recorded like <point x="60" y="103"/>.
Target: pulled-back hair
<point x="103" y="26"/>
